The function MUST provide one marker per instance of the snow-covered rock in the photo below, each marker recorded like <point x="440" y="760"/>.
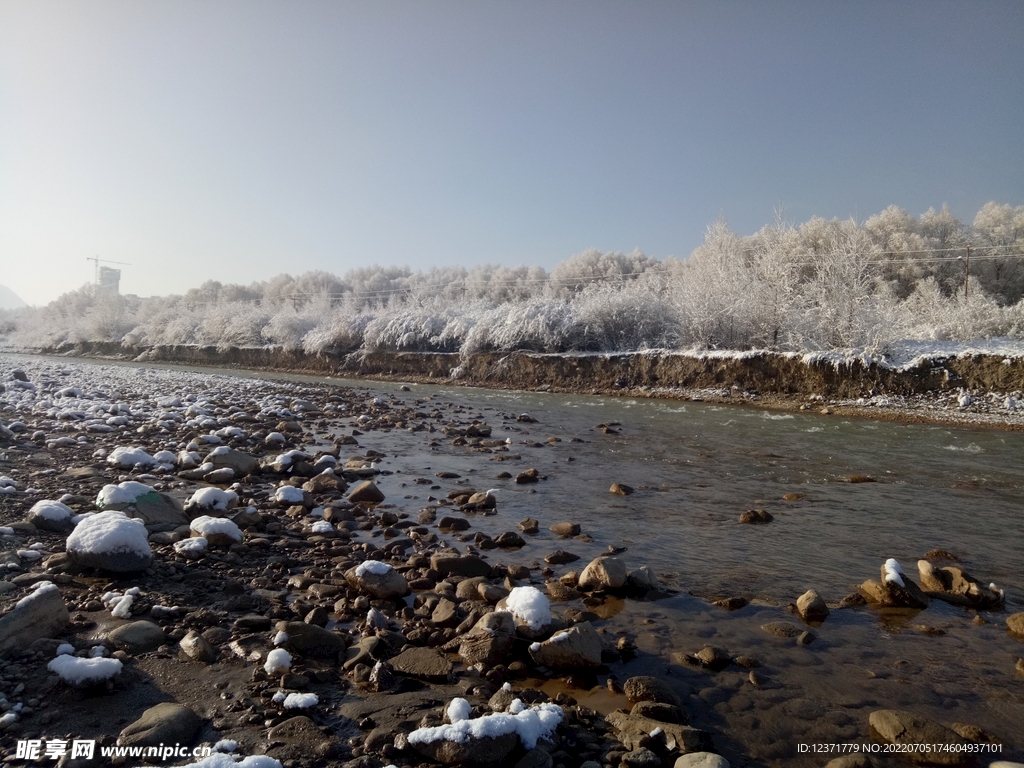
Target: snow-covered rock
<point x="377" y="579"/>
<point x="51" y="516"/>
<point x="211" y="499"/>
<point x="110" y="541"/>
<point x="81" y="673"/>
<point x="218" y="531"/>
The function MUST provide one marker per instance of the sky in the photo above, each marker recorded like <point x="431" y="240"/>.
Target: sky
<point x="234" y="140"/>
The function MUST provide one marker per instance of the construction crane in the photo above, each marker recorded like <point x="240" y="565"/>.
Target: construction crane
<point x="96" y="260"/>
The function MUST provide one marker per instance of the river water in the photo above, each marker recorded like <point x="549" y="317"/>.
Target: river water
<point x="695" y="468"/>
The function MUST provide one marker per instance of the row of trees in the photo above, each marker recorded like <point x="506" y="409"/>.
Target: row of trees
<point x="820" y="285"/>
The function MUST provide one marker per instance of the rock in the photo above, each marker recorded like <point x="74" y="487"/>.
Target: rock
<point x="620" y="489"/>
<point x="643" y="579"/>
<point x="701" y="760"/>
<point x="509" y="540"/>
<point x="529" y="476"/>
<point x="811" y="606"/>
<point x="536" y="758"/>
<point x="565" y="529"/>
<point x="110" y="541"/>
<point x="529" y="525"/>
<point x="955" y="585"/>
<point x="313" y="641"/>
<point x="1015" y="624"/>
<point x="641" y="758"/>
<point x="900" y="727"/>
<point x="633" y="730"/>
<point x="731" y="603"/>
<point x="383" y="585"/>
<point x="490" y="640"/>
<point x="485" y="751"/>
<point x="603" y="573"/>
<point x="855" y="760"/>
<point x="198" y="648"/>
<point x="51" y="516"/>
<point x="157" y="509"/>
<point x="663" y="713"/>
<point x="756" y="517"/>
<point x="423" y="663"/>
<point x="782" y="629"/>
<point x="242" y="463"/>
<point x="165" y="723"/>
<point x="561" y="557"/>
<point x="325" y="482"/>
<point x="43" y="615"/>
<point x="365" y="492"/>
<point x="137" y="637"/>
<point x="300" y="737"/>
<point x="889" y="594"/>
<point x="574" y="648"/>
<point x="646" y="688"/>
<point x="712" y="657"/>
<point x="459" y="565"/>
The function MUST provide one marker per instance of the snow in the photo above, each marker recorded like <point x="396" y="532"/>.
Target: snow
<point x="65" y="649"/>
<point x="516" y="706"/>
<point x="278" y="660"/>
<point x="77" y="671"/>
<point x="301" y="700"/>
<point x="529" y="606"/>
<point x="375" y="567"/>
<point x="220" y="760"/>
<point x="39" y="588"/>
<point x="459" y="710"/>
<point x="530" y="725"/>
<point x="109" y="532"/>
<point x="321" y="526"/>
<point x="122" y="609"/>
<point x="289" y="494"/>
<point x="123" y="493"/>
<point x="225" y="745"/>
<point x="51" y="510"/>
<point x="280" y="638"/>
<point x="212" y="498"/>
<point x="893" y="572"/>
<point x="207" y="526"/>
<point x="193" y="545"/>
<point x="126" y="458"/>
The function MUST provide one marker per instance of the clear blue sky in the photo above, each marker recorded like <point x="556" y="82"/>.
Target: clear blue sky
<point x="237" y="139"/>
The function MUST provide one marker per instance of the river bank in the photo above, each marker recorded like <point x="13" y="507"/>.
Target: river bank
<point x="768" y="687"/>
<point x="967" y="387"/>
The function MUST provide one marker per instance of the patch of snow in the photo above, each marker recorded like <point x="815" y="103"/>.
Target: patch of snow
<point x="207" y="526"/>
<point x="530" y="725"/>
<point x="301" y="700"/>
<point x="213" y="498"/>
<point x="109" y="532"/>
<point x="278" y="660"/>
<point x="123" y="493"/>
<point x="893" y="572"/>
<point x="376" y="567"/>
<point x="529" y="606"/>
<point x="459" y="710"/>
<point x="77" y="671"/>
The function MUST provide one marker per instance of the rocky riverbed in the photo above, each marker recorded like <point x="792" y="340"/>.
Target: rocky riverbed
<point x="200" y="559"/>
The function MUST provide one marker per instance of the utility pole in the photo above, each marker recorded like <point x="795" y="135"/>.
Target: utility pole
<point x="967" y="271"/>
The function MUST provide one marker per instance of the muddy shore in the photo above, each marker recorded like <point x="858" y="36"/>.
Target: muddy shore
<point x="384" y="662"/>
<point x="970" y="389"/>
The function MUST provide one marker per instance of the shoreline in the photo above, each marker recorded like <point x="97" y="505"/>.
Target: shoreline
<point x="926" y="393"/>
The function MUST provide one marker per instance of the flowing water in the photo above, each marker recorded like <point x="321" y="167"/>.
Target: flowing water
<point x="695" y="468"/>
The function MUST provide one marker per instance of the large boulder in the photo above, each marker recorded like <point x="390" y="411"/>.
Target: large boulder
<point x="423" y="663"/>
<point x="811" y="606"/>
<point x="41" y="614"/>
<point x="573" y="648"/>
<point x="646" y="688"/>
<point x="313" y="641"/>
<point x="137" y="637"/>
<point x="366" y="492"/>
<point x="110" y="541"/>
<point x="459" y="565"/>
<point x="242" y="463"/>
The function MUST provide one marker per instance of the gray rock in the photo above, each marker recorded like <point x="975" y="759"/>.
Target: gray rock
<point x="603" y="573"/>
<point x="165" y="723"/>
<point x="110" y="541"/>
<point x="44" y="615"/>
<point x="855" y="760"/>
<point x="701" y="760"/>
<point x="313" y="641"/>
<point x="574" y="648"/>
<point x="486" y="751"/>
<point x="423" y="663"/>
<point x="299" y="737"/>
<point x="459" y="565"/>
<point x="383" y="586"/>
<point x="782" y="629"/>
<point x="643" y="579"/>
<point x="641" y="758"/>
<point x="490" y="640"/>
<point x="565" y="529"/>
<point x="242" y="463"/>
<point x="137" y="637"/>
<point x="900" y="727"/>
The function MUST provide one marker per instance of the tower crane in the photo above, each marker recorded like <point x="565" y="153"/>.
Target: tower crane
<point x="96" y="260"/>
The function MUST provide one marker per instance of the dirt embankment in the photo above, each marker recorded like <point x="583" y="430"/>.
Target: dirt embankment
<point x="766" y="374"/>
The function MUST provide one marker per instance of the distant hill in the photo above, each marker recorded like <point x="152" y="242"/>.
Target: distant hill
<point x="9" y="299"/>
